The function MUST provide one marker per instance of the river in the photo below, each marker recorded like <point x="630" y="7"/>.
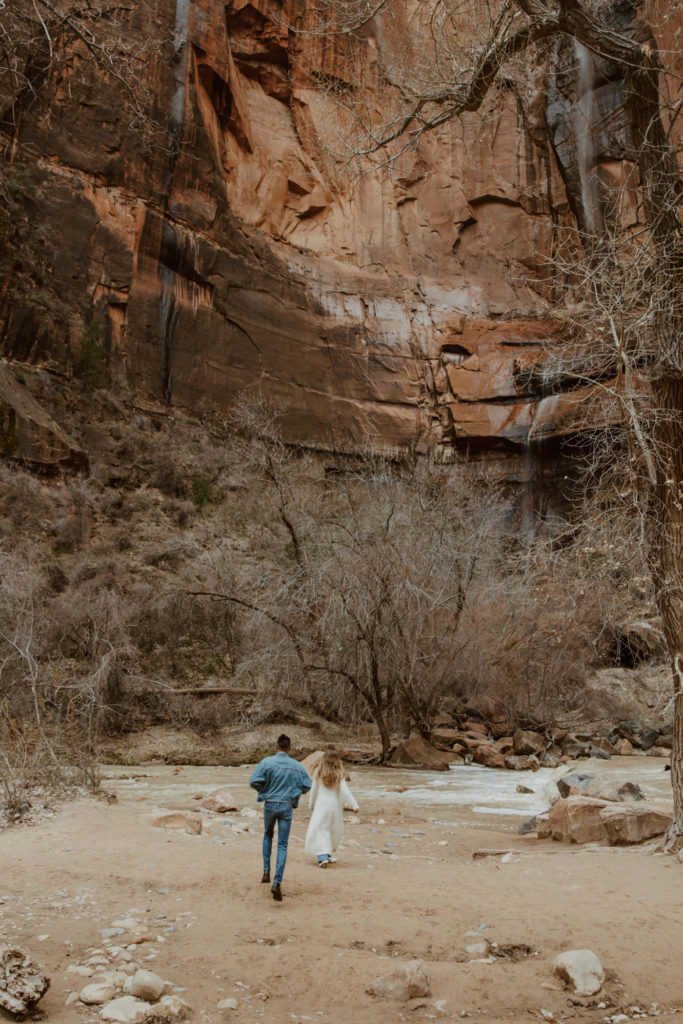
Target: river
<point x="465" y="795"/>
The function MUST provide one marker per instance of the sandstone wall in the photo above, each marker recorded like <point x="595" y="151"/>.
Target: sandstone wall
<point x="232" y="254"/>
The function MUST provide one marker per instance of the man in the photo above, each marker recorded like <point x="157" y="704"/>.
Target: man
<point x="280" y="781"/>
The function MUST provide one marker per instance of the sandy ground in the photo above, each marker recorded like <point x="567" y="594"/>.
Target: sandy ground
<point x="213" y="930"/>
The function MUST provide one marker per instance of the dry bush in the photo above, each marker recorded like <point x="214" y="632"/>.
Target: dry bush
<point x="24" y="503"/>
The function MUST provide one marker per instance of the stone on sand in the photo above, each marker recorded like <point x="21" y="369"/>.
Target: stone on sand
<point x="145" y="985"/>
<point x="125" y="1010"/>
<point x="222" y="801"/>
<point x="581" y="969"/>
<point x="97" y="993"/>
<point x="408" y="981"/>
<point x="627" y="824"/>
<point x="22" y="983"/>
<point x="173" y="1006"/>
<point x="228" y="1005"/>
<point x="189" y="821"/>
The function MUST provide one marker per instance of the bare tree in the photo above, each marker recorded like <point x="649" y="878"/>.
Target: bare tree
<point x="362" y="576"/>
<point x="441" y="60"/>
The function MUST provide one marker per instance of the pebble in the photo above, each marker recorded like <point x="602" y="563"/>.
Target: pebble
<point x="173" y="1006"/>
<point x="228" y="1004"/>
<point x="145" y="985"/>
<point x="125" y="1010"/>
<point x="97" y="993"/>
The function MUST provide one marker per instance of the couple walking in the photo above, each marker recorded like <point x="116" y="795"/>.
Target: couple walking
<point x="280" y="781"/>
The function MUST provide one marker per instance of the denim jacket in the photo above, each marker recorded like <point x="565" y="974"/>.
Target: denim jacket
<point x="280" y="778"/>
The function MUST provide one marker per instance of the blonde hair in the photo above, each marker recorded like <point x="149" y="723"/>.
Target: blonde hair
<point x="329" y="769"/>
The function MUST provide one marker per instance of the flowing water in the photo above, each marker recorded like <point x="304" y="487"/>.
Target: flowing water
<point x="465" y="795"/>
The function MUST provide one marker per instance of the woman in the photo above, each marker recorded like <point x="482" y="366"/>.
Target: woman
<point x="328" y="797"/>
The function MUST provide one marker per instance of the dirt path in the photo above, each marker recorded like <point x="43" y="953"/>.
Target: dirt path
<point x="212" y="929"/>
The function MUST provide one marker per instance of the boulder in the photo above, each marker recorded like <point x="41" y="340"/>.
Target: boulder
<point x="444" y="737"/>
<point x="145" y="985"/>
<point x="415" y="752"/>
<point x="484" y="706"/>
<point x="521" y="762"/>
<point x="610" y="789"/>
<point x="188" y="821"/>
<point x="624" y="747"/>
<point x="634" y="823"/>
<point x="500" y="728"/>
<point x="630" y="729"/>
<point x="476" y="727"/>
<point x="605" y="744"/>
<point x="487" y="755"/>
<point x="574" y="779"/>
<point x="470" y="740"/>
<point x="97" y="993"/>
<point x="648" y="738"/>
<point x="408" y="981"/>
<point x="527" y="742"/>
<point x="543" y="826"/>
<point x="635" y="642"/>
<point x="528" y="826"/>
<point x="581" y="970"/>
<point x="576" y="819"/>
<point x="504" y="744"/>
<point x="125" y="1010"/>
<point x="575" y="750"/>
<point x="598" y="752"/>
<point x="22" y="983"/>
<point x="311" y="761"/>
<point x="221" y="802"/>
<point x="666" y="736"/>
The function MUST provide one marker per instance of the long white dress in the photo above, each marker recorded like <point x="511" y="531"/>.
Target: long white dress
<point x="326" y="827"/>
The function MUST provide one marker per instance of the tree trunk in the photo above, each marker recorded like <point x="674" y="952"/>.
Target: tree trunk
<point x="661" y="189"/>
<point x="384" y="734"/>
<point x="666" y="557"/>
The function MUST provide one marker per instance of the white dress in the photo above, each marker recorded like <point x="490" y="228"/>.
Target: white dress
<point x="326" y="827"/>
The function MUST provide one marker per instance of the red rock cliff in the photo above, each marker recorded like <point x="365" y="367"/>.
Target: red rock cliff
<point x="227" y="256"/>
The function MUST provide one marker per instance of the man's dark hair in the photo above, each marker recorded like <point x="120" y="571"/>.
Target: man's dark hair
<point x="283" y="742"/>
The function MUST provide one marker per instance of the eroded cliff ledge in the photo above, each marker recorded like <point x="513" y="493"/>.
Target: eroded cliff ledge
<point x="386" y="308"/>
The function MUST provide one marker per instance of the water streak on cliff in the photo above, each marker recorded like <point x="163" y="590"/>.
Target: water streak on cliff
<point x="582" y="118"/>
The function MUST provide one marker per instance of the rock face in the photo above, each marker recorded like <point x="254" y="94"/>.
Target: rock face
<point x="231" y="255"/>
<point x="22" y="983"/>
<point x="28" y="433"/>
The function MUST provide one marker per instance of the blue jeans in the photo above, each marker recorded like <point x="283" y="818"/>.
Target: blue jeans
<point x="282" y="814"/>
